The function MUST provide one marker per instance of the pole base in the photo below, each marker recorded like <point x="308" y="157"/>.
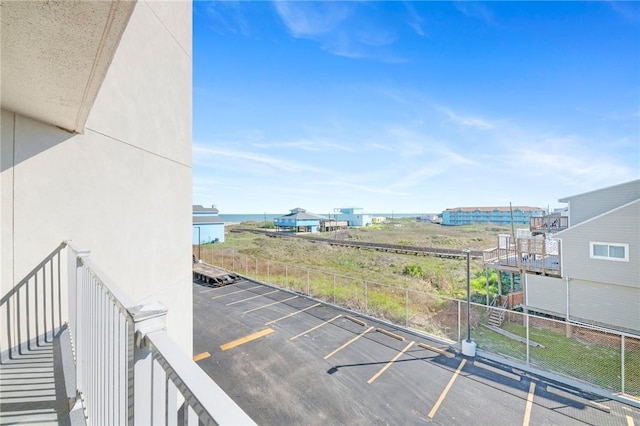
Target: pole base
<point x="469" y="348"/>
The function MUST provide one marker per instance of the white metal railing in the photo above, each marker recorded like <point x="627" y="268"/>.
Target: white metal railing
<point x="128" y="369"/>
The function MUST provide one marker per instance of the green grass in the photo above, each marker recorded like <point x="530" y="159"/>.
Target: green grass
<point x="598" y="364"/>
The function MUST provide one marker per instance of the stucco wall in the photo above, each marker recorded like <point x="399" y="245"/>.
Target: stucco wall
<point x="122" y="188"/>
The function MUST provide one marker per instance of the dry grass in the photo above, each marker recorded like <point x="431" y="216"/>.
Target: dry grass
<point x="442" y="276"/>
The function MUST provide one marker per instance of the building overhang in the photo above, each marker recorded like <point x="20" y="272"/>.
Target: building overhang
<point x="55" y="55"/>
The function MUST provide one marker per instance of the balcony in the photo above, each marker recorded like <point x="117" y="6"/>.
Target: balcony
<point x="77" y="350"/>
<point x="533" y="254"/>
<point x="548" y="224"/>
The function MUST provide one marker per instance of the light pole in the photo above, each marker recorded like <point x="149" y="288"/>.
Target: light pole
<point x="468" y="346"/>
<point x="198" y="243"/>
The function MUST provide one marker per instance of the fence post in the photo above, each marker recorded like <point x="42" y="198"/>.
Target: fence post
<point x="366" y="298"/>
<point x="308" y="293"/>
<point x="146" y="318"/>
<point x="406" y="307"/>
<point x="334" y="289"/>
<point x="459" y="320"/>
<point x="486" y="273"/>
<point x="528" y="345"/>
<point x="622" y="373"/>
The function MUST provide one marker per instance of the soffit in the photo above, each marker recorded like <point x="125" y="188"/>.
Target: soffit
<point x="55" y="55"/>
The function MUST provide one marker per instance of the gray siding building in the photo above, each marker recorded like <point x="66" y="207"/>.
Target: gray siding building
<point x="594" y="275"/>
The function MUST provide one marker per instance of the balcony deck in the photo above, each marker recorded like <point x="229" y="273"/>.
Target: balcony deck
<point x="28" y="388"/>
<point x="32" y="385"/>
<point x="548" y="224"/>
<point x="513" y="261"/>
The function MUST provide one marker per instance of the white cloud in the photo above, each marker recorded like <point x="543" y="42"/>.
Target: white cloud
<point x="467" y="121"/>
<point x="415" y="21"/>
<point x="339" y="29"/>
<point x="379" y="147"/>
<point x="475" y="10"/>
<point x="311" y="19"/>
<point x="306" y="145"/>
<point x="250" y="159"/>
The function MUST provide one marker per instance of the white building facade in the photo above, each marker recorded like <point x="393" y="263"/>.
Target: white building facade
<point x="96" y="145"/>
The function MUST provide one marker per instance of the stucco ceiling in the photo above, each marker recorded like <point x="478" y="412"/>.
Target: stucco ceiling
<point x="55" y="55"/>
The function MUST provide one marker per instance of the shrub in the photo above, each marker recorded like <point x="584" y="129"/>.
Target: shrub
<point x="413" y="271"/>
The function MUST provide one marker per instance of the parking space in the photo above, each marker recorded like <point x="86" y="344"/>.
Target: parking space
<point x="287" y="359"/>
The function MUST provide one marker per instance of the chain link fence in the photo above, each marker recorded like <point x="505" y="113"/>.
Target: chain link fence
<point x="604" y="358"/>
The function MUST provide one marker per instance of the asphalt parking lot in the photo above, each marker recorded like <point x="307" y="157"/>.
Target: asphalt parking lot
<point x="290" y="360"/>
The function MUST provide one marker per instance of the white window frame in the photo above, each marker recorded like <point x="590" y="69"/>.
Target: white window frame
<point x="615" y="259"/>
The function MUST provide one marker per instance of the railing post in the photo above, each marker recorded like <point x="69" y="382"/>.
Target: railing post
<point x="146" y="318"/>
<point x="76" y="305"/>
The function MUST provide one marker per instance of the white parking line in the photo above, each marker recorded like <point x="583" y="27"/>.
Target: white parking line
<point x="252" y="297"/>
<point x="270" y="304"/>
<point x="234" y="292"/>
<point x="316" y="327"/>
<point x="293" y="313"/>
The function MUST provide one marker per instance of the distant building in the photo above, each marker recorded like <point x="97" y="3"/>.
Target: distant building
<point x="496" y="215"/>
<point x="299" y="220"/>
<point x="354" y="216"/>
<point x="208" y="227"/>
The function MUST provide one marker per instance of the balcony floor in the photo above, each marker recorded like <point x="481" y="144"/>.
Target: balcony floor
<point x="32" y="386"/>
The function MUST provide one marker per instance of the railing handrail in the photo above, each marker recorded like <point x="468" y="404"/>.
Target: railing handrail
<point x="193" y="381"/>
<point x="23" y="281"/>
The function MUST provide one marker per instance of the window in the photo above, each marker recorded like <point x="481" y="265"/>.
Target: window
<point x="609" y="251"/>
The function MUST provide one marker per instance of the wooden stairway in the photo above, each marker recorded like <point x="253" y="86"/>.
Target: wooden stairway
<point x="496" y="316"/>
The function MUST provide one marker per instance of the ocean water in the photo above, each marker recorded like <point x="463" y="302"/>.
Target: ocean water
<point x="268" y="217"/>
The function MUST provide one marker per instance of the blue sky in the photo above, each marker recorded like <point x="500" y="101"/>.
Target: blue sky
<point x="412" y="106"/>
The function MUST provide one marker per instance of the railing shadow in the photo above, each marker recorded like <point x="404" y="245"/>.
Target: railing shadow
<point x="31" y="312"/>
